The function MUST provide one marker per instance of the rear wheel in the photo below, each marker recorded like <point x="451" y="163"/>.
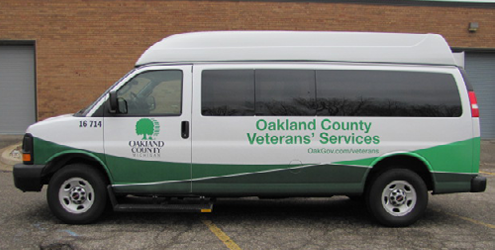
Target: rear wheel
<point x="397" y="197"/>
<point x="77" y="194"/>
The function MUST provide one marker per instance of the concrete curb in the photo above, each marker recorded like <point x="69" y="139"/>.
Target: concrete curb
<point x="9" y="156"/>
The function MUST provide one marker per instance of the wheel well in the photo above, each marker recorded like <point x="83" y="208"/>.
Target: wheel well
<point x="405" y="162"/>
<point x="64" y="160"/>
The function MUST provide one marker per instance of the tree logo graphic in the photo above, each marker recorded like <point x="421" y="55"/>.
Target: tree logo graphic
<point x="149" y="128"/>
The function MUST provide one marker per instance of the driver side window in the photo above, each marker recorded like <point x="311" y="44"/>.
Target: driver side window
<point x="153" y="93"/>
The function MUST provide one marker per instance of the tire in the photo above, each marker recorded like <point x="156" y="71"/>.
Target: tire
<point x="77" y="194"/>
<point x="397" y="197"/>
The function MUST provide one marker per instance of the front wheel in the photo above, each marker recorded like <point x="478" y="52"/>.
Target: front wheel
<point x="77" y="194"/>
<point x="397" y="197"/>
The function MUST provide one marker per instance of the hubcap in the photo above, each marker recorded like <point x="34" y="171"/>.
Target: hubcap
<point x="399" y="198"/>
<point x="76" y="195"/>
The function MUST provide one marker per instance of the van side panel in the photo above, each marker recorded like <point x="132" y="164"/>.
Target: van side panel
<point x="321" y="154"/>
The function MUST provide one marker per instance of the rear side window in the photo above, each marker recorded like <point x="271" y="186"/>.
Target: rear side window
<point x="227" y="93"/>
<point x="285" y="93"/>
<point x="329" y="93"/>
<point x="387" y="93"/>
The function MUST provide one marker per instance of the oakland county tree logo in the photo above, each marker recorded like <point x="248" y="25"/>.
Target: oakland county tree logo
<point x="148" y="146"/>
<point x="149" y="128"/>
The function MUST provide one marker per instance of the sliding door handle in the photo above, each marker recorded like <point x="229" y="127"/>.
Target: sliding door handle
<point x="185" y="129"/>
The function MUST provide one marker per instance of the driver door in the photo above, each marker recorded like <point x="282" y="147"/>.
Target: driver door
<point x="147" y="141"/>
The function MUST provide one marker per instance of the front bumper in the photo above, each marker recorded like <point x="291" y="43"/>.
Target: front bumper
<point x="478" y="184"/>
<point x="28" y="177"/>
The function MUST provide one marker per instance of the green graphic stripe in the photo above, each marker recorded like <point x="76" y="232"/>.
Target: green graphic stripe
<point x="458" y="157"/>
<point x="46" y="151"/>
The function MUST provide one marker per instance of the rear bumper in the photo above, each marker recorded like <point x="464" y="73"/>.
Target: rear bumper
<point x="28" y="177"/>
<point x="478" y="184"/>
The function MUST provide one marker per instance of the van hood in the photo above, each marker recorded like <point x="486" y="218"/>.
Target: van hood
<point x="48" y="122"/>
<point x="57" y="117"/>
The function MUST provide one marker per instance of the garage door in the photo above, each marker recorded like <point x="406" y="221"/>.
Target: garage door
<point x="17" y="88"/>
<point x="481" y="72"/>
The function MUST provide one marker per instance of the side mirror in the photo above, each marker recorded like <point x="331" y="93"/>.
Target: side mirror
<point x="113" y="104"/>
<point x="116" y="105"/>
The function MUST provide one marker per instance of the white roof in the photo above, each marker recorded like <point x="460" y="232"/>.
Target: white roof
<point x="235" y="46"/>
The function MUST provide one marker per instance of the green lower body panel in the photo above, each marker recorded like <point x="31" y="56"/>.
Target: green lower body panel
<point x="166" y="188"/>
<point x="314" y="180"/>
<point x="452" y="182"/>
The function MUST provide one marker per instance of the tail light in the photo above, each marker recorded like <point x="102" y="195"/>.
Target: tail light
<point x="475" y="111"/>
<point x="27" y="149"/>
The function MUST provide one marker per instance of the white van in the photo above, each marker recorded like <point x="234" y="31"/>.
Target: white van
<point x="382" y="117"/>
